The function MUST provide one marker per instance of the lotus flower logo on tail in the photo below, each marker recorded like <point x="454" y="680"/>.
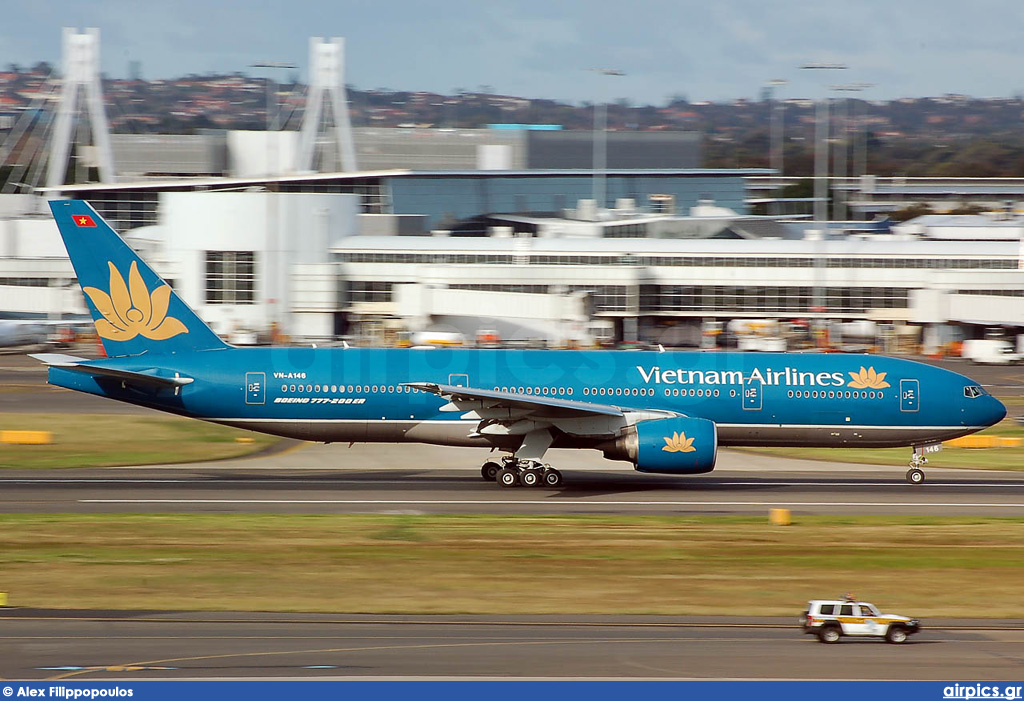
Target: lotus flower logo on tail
<point x="868" y="379"/>
<point x="131" y="310"/>
<point x="679" y="443"/>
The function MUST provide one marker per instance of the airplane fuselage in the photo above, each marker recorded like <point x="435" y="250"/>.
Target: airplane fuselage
<point x="353" y="394"/>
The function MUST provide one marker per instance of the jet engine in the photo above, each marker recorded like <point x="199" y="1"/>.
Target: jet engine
<point x="679" y="445"/>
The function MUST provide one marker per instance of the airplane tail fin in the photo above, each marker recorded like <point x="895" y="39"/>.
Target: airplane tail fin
<point x="135" y="311"/>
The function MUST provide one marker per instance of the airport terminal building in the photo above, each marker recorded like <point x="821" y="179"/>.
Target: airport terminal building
<point x="521" y="247"/>
<point x="366" y="256"/>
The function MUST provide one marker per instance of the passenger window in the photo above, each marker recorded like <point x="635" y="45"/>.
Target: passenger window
<point x="846" y="610"/>
<point x="828" y="609"/>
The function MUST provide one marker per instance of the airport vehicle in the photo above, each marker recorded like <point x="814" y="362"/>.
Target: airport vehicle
<point x="663" y="412"/>
<point x="831" y="619"/>
<point x="15" y="332"/>
<point x="990" y="351"/>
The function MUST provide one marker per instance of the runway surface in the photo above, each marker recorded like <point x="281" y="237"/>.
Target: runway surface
<point x="428" y="479"/>
<point x="108" y="645"/>
<point x="368" y="478"/>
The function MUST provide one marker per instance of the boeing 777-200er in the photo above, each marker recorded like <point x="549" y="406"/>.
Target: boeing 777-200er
<point x="663" y="412"/>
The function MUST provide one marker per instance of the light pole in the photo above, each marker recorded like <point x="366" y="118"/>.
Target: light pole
<point x="274" y="284"/>
<point x="821" y="146"/>
<point x="271" y="89"/>
<point x="820" y="197"/>
<point x="777" y="144"/>
<point x="843" y="143"/>
<point x="601" y="142"/>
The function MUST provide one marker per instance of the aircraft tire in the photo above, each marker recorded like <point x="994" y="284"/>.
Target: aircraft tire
<point x="915" y="475"/>
<point x="531" y="478"/>
<point x="507" y="477"/>
<point x="552" y="477"/>
<point x="490" y="470"/>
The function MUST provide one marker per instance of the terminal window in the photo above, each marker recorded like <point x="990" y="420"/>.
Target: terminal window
<point x="230" y="277"/>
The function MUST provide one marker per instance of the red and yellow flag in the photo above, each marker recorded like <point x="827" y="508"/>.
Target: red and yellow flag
<point x="83" y="220"/>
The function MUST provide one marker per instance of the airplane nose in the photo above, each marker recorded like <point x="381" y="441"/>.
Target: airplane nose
<point x="993" y="412"/>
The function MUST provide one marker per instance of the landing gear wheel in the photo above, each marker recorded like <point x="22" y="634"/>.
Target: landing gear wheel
<point x="489" y="471"/>
<point x="915" y="475"/>
<point x="507" y="477"/>
<point x="829" y="635"/>
<point x="530" y="478"/>
<point x="896" y="635"/>
<point x="552" y="477"/>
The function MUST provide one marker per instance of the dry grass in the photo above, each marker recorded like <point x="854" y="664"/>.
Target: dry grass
<point x="490" y="564"/>
<point x="99" y="440"/>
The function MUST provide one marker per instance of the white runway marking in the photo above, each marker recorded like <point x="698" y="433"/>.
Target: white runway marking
<point x="530" y="502"/>
<point x="405" y="481"/>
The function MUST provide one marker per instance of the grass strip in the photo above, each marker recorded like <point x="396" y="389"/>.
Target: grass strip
<point x="1003" y="458"/>
<point x="104" y="440"/>
<point x="963" y="567"/>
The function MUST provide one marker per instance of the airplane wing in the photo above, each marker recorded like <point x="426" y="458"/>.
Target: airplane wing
<point x="512" y="405"/>
<point x="145" y="378"/>
<point x="513" y="414"/>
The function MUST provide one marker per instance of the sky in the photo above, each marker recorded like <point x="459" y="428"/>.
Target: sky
<point x="717" y="50"/>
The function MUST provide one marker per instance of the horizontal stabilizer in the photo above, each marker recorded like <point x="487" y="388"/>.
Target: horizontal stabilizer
<point x="147" y="378"/>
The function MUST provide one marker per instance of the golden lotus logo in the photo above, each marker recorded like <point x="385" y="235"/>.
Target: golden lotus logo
<point x="868" y="379"/>
<point x="130" y="310"/>
<point x="679" y="443"/>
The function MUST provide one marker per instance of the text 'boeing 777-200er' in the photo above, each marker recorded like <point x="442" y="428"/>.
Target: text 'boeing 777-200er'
<point x="664" y="412"/>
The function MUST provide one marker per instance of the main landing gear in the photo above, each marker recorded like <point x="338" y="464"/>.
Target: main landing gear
<point x="915" y="475"/>
<point x="511" y="472"/>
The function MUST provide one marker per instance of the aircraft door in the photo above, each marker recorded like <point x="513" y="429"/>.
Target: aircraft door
<point x="255" y="388"/>
<point x="753" y="391"/>
<point x="910" y="395"/>
<point x="458" y="380"/>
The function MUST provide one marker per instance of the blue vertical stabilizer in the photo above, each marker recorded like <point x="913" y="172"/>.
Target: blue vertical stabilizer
<point x="135" y="311"/>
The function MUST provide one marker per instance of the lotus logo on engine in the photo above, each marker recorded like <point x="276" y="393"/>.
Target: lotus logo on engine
<point x="679" y="443"/>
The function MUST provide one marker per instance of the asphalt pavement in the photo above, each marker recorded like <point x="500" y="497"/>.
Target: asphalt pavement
<point x="84" y="645"/>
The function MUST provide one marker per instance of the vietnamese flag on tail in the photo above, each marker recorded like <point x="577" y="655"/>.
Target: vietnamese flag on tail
<point x="83" y="220"/>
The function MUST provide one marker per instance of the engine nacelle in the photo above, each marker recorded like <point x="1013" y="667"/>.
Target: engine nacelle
<point x="680" y="445"/>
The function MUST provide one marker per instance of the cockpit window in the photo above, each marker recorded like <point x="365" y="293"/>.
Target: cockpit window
<point x="972" y="391"/>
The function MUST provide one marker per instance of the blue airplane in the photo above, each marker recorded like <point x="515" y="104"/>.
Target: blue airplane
<point x="664" y="412"/>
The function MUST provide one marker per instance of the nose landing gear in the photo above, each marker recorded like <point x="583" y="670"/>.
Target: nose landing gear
<point x="915" y="475"/>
